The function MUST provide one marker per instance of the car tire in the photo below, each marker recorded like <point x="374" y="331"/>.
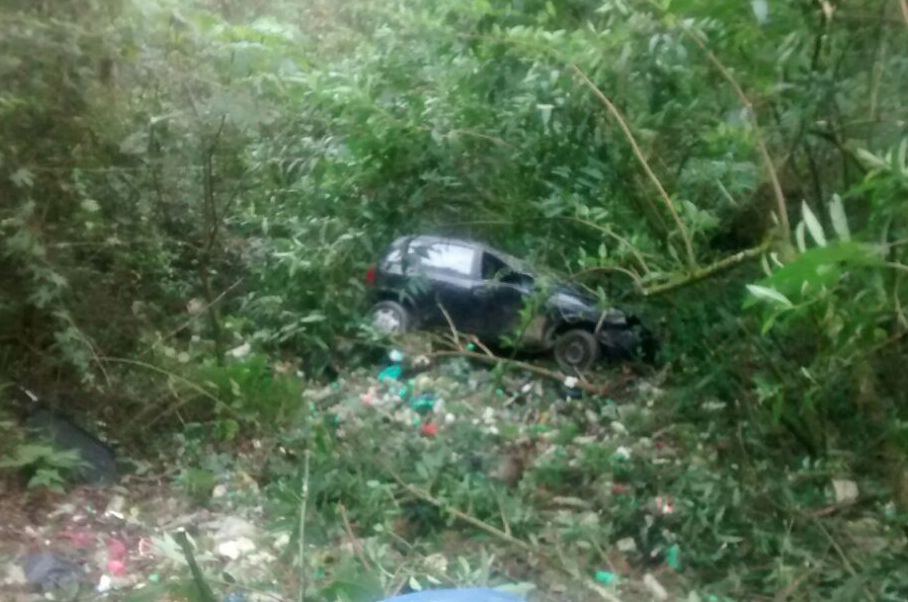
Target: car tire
<point x="576" y="350"/>
<point x="390" y="317"/>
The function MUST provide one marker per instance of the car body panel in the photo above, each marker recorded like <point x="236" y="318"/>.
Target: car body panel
<point x="428" y="273"/>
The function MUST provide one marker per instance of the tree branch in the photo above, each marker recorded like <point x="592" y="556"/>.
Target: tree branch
<point x="781" y="205"/>
<point x="691" y="260"/>
<point x="708" y="271"/>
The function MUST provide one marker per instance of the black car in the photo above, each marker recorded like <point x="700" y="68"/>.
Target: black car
<point x="424" y="282"/>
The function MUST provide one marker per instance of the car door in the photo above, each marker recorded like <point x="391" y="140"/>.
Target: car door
<point x="444" y="274"/>
<point x="500" y="297"/>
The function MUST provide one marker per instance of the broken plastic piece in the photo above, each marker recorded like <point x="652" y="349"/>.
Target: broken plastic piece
<point x="428" y="430"/>
<point x="607" y="578"/>
<point x="673" y="557"/>
<point x="116" y="568"/>
<point x="392" y="372"/>
<point x="424" y="403"/>
<point x="396" y="356"/>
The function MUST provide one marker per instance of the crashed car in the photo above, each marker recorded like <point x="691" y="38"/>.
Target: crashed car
<point x="426" y="282"/>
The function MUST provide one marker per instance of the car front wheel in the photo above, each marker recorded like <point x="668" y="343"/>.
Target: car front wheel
<point x="390" y="317"/>
<point x="576" y="350"/>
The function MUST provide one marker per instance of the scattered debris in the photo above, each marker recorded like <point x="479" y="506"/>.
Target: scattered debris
<point x="627" y="545"/>
<point x="846" y="491"/>
<point x="655" y="587"/>
<point x="607" y="578"/>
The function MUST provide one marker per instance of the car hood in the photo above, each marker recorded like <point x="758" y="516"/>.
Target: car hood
<point x="572" y="303"/>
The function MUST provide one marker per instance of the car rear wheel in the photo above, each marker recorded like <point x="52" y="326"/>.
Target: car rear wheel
<point x="576" y="350"/>
<point x="390" y="317"/>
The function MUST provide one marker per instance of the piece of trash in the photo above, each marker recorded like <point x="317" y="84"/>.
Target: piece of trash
<point x="154" y="578"/>
<point x="404" y="393"/>
<point x="436" y="563"/>
<point x="449" y="418"/>
<point x="846" y="491"/>
<point x="627" y="545"/>
<point x="425" y="403"/>
<point x="673" y="557"/>
<point x="396" y="356"/>
<point x="571" y="393"/>
<point x="79" y="539"/>
<point x="219" y="491"/>
<point x="664" y="505"/>
<point x="145" y="547"/>
<point x="103" y="584"/>
<point x="116" y="568"/>
<point x="99" y="464"/>
<point x="607" y="578"/>
<point x="655" y="587"/>
<point x="235" y="548"/>
<point x="619" y="489"/>
<point x="428" y="430"/>
<point x="240" y="351"/>
<point x="618" y="427"/>
<point x="49" y="571"/>
<point x="471" y="347"/>
<point x="570" y="382"/>
<point x="392" y="372"/>
<point x="116" y="549"/>
<point x="14" y="575"/>
<point x="622" y="453"/>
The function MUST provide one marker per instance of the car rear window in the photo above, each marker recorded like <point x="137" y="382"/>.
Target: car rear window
<point x="444" y="256"/>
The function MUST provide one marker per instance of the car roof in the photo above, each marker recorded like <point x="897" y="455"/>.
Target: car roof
<point x="514" y="262"/>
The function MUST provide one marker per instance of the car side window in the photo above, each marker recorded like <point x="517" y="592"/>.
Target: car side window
<point x="446" y="257"/>
<point x="492" y="267"/>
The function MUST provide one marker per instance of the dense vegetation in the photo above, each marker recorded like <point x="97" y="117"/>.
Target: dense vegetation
<point x="178" y="179"/>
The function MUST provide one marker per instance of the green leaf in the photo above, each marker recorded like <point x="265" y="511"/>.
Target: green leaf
<point x="769" y="294"/>
<point x="839" y="221"/>
<point x="800" y="238"/>
<point x="813" y="225"/>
